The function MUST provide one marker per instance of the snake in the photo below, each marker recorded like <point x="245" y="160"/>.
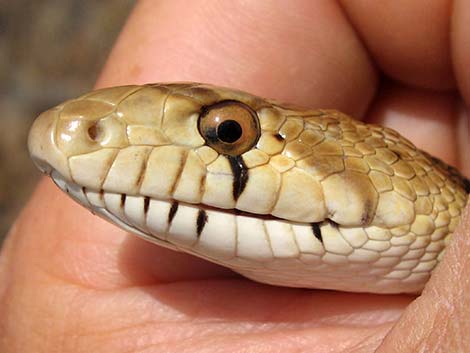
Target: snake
<point x="283" y="195"/>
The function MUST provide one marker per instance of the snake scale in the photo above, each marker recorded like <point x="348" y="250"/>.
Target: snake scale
<point x="281" y="195"/>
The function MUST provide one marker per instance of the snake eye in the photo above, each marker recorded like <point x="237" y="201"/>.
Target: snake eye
<point x="230" y="127"/>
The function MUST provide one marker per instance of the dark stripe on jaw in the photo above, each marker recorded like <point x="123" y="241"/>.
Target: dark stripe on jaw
<point x="333" y="223"/>
<point x="240" y="175"/>
<point x="146" y="204"/>
<point x="171" y="214"/>
<point x="201" y="221"/>
<point x="317" y="231"/>
<point x="123" y="200"/>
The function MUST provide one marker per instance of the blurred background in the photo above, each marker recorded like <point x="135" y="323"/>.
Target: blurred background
<point x="50" y="50"/>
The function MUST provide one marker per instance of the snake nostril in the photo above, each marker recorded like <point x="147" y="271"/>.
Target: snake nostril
<point x="95" y="132"/>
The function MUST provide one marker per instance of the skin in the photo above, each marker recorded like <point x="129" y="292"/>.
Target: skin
<point x="71" y="282"/>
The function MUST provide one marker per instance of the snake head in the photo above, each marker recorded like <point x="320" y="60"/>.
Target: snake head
<point x="285" y="196"/>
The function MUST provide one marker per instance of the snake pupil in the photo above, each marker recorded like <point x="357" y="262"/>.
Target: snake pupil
<point x="229" y="131"/>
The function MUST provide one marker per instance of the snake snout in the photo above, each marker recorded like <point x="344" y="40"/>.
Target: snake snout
<point x="42" y="146"/>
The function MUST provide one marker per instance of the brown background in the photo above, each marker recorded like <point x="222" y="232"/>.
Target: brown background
<point x="50" y="50"/>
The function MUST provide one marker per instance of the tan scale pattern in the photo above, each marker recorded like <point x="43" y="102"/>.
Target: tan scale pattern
<point x="385" y="209"/>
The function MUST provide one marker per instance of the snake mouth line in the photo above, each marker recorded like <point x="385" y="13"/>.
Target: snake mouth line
<point x="73" y="188"/>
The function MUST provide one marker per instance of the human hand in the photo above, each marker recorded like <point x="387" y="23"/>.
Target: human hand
<point x="71" y="282"/>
